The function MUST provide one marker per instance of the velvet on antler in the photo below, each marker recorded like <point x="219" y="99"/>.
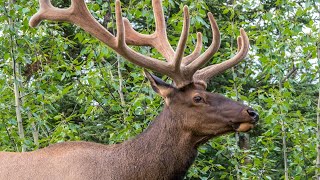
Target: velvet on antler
<point x="182" y="69"/>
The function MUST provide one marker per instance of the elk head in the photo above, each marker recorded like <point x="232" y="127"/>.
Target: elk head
<point x="204" y="113"/>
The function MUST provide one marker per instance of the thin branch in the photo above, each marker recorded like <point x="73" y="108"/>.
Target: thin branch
<point x="290" y="73"/>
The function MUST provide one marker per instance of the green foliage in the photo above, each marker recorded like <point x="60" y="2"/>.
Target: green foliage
<point x="70" y="81"/>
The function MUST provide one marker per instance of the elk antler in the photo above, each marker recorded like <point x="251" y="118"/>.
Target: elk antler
<point x="183" y="70"/>
<point x="243" y="47"/>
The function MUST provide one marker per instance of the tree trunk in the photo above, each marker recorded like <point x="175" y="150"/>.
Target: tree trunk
<point x="243" y="138"/>
<point x="18" y="107"/>
<point x="318" y="139"/>
<point x="283" y="134"/>
<point x="35" y="131"/>
<point x="108" y="17"/>
<point x="318" y="120"/>
<point x="120" y="90"/>
<point x="284" y="148"/>
<point x="15" y="67"/>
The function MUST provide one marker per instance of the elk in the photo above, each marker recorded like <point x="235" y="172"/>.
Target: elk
<point x="190" y="117"/>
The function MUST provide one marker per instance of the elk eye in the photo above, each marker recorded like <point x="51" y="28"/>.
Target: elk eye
<point x="198" y="99"/>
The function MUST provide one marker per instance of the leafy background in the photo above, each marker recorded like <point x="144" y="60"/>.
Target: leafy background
<point x="72" y="87"/>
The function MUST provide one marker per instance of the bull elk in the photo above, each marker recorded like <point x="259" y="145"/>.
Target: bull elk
<point x="167" y="148"/>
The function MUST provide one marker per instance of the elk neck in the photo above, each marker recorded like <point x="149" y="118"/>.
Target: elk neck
<point x="165" y="143"/>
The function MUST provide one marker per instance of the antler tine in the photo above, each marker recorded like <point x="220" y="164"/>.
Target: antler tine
<point x="44" y="13"/>
<point x="135" y="38"/>
<point x="158" y="39"/>
<point x="135" y="57"/>
<point x="120" y="26"/>
<point x="243" y="47"/>
<point x="213" y="48"/>
<point x="239" y="43"/>
<point x="161" y="28"/>
<point x="183" y="40"/>
<point x="196" y="53"/>
<point x="78" y="14"/>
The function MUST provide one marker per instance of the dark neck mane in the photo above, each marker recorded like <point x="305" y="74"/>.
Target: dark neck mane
<point x="165" y="146"/>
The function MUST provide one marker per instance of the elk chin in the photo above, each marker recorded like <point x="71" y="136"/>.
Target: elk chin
<point x="242" y="127"/>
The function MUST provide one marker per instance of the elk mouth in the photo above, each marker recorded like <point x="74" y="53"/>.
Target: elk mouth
<point x="242" y="127"/>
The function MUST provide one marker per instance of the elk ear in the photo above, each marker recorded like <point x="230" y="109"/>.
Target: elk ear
<point x="158" y="85"/>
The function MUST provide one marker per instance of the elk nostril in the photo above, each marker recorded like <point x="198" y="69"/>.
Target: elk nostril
<point x="254" y="115"/>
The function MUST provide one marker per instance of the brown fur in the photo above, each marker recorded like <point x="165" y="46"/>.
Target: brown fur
<point x="165" y="150"/>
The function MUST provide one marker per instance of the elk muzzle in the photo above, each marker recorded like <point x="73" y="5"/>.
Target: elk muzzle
<point x="246" y="126"/>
